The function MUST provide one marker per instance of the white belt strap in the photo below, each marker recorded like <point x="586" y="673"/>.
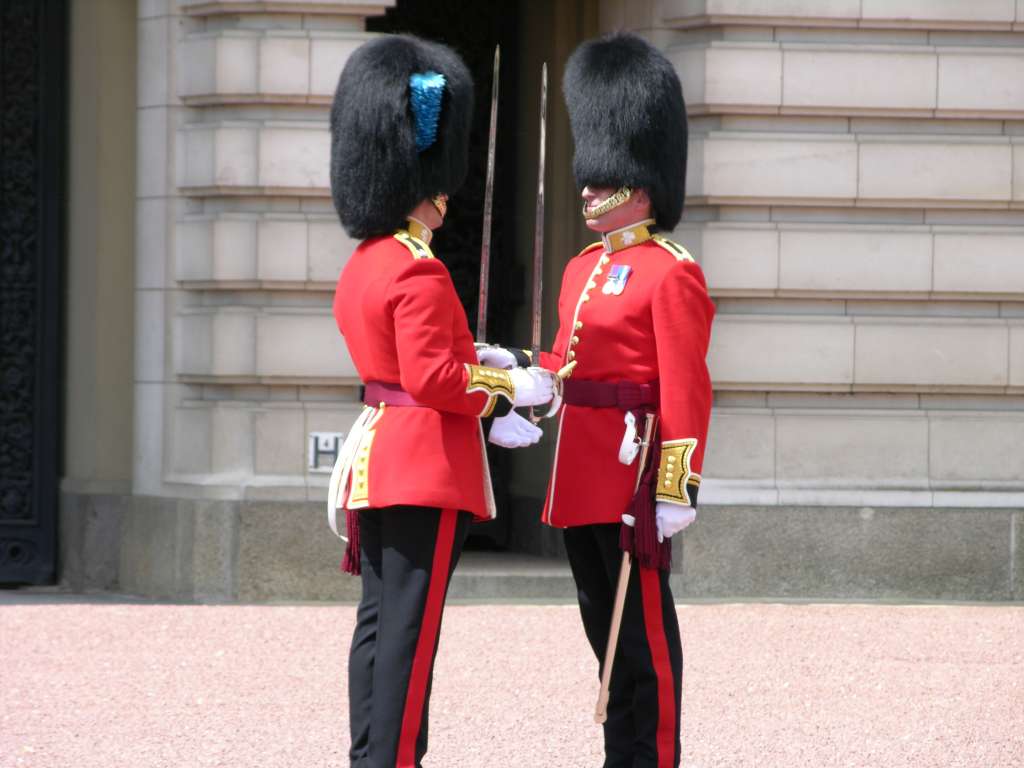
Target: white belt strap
<point x="338" y="486"/>
<point x="630" y="445"/>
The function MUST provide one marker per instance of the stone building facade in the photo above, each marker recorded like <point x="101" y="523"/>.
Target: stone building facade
<point x="855" y="196"/>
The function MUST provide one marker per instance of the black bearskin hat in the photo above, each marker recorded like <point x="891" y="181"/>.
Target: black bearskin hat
<point x="387" y="155"/>
<point x="628" y="121"/>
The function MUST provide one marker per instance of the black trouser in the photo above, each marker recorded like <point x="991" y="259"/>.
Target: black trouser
<point x="407" y="557"/>
<point x="642" y="730"/>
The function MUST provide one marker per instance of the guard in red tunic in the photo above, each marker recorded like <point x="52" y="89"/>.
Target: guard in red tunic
<point x="635" y="320"/>
<point x="412" y="473"/>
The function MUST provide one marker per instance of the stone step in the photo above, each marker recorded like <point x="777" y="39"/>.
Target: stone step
<point x="499" y="576"/>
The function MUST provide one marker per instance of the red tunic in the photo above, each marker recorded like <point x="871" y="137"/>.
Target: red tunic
<point x="657" y="328"/>
<point x="402" y="321"/>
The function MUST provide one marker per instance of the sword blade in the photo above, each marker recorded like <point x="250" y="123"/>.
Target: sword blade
<point x="485" y="242"/>
<point x="538" y="227"/>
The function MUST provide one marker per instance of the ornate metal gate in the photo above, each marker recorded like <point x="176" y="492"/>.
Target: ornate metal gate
<point x="33" y="76"/>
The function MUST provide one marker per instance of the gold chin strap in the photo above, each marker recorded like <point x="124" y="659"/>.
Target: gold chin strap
<point x="622" y="194"/>
<point x="441" y="203"/>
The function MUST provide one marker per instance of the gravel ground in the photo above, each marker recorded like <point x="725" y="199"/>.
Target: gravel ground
<point x="140" y="685"/>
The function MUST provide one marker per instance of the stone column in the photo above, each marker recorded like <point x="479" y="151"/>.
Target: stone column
<point x="856" y="198"/>
<point x="238" y="248"/>
<point x="98" y="312"/>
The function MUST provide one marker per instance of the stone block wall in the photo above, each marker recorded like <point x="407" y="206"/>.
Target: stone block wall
<point x="238" y="248"/>
<point x="855" y="197"/>
<point x="240" y="355"/>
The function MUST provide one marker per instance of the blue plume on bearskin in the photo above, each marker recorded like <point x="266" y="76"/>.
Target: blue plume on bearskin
<point x="425" y="93"/>
<point x="394" y="144"/>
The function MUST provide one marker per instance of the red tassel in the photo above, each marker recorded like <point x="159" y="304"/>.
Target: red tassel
<point x="641" y="540"/>
<point x="645" y="533"/>
<point x="351" y="562"/>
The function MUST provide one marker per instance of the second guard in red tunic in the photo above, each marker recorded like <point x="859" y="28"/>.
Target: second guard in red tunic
<point x="412" y="473"/>
<point x="635" y="322"/>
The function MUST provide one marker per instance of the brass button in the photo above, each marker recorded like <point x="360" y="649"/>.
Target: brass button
<point x="575" y="339"/>
<point x="668" y="483"/>
<point x="671" y="459"/>
<point x="579" y="324"/>
<point x="586" y="297"/>
<point x="572" y="355"/>
<point x="591" y="285"/>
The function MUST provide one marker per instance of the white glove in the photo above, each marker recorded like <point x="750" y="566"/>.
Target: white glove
<point x="495" y="357"/>
<point x="672" y="518"/>
<point x="534" y="386"/>
<point x="513" y="431"/>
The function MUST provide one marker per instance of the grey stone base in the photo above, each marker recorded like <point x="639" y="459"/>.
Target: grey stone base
<point x="858" y="553"/>
<point x="232" y="551"/>
<point x="250" y="551"/>
<point x="508" y="577"/>
<point x="89" y="530"/>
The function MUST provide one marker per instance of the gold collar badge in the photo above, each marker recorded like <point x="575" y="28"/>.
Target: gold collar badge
<point x="627" y="237"/>
<point x="419" y="230"/>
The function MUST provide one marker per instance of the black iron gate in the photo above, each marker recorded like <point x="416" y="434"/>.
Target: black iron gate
<point x="33" y="77"/>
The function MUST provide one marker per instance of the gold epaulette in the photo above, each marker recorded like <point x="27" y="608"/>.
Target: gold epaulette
<point x="417" y="247"/>
<point x="675" y="249"/>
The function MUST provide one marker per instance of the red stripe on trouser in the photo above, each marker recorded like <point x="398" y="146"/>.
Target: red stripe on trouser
<point x="650" y="588"/>
<point x="427" y="641"/>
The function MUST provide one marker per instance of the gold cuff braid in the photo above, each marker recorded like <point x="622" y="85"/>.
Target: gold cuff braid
<point x="493" y="382"/>
<point x="674" y="471"/>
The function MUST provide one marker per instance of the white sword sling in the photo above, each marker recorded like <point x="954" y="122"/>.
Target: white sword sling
<point x="342" y="472"/>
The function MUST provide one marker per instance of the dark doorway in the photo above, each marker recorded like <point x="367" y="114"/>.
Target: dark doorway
<point x="33" y="73"/>
<point x="473" y="29"/>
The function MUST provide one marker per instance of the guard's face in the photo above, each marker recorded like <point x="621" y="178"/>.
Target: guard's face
<point x="431" y="211"/>
<point x="636" y="207"/>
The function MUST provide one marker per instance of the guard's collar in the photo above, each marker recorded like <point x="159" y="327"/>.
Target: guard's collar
<point x="628" y="236"/>
<point x="419" y="230"/>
